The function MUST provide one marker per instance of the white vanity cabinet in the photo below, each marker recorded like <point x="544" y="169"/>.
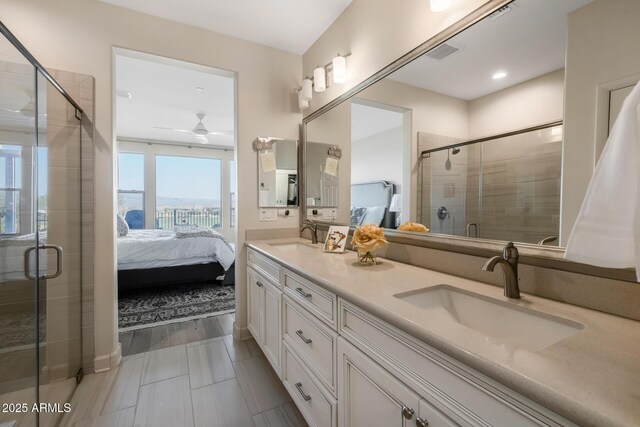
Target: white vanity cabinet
<point x="264" y="302"/>
<point x="370" y="396"/>
<point x="345" y="367"/>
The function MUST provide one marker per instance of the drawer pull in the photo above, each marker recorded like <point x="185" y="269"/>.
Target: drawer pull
<point x="303" y="293"/>
<point x="303" y="338"/>
<point x="305" y="396"/>
<point x="421" y="422"/>
<point x="259" y="283"/>
<point x="407" y="412"/>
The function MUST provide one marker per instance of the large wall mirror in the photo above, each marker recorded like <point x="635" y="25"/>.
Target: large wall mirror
<point x="492" y="134"/>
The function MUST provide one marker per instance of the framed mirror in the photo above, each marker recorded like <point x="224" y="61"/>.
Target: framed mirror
<point x="277" y="172"/>
<point x="490" y="131"/>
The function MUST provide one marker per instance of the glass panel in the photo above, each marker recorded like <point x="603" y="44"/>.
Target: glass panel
<point x="501" y="189"/>
<point x="18" y="319"/>
<point x="131" y="188"/>
<point x="58" y="207"/>
<point x="196" y="204"/>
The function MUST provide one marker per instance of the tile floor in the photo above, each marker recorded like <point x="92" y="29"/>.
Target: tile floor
<point x="185" y="374"/>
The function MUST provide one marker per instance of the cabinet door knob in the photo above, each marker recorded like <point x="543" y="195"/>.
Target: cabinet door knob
<point x="407" y="412"/>
<point x="421" y="422"/>
<point x="259" y="283"/>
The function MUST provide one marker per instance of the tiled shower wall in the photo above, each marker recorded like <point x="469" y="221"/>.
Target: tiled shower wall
<point x="81" y="89"/>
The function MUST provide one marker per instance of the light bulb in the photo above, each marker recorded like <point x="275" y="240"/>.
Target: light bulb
<point x="440" y="5"/>
<point x="303" y="104"/>
<point x="307" y="93"/>
<point x="319" y="79"/>
<point x="339" y="69"/>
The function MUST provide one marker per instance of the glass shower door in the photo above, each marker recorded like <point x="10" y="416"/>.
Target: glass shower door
<point x="19" y="322"/>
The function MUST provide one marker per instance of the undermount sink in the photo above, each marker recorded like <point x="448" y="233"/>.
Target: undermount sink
<point x="505" y="322"/>
<point x="293" y="246"/>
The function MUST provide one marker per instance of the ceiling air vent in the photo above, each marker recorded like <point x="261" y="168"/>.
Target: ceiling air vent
<point x="443" y="51"/>
<point x="500" y="12"/>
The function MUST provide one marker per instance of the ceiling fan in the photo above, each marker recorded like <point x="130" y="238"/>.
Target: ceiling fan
<point x="200" y="131"/>
<point x="27" y="110"/>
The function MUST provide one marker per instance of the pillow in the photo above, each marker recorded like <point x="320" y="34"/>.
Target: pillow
<point x="357" y="214"/>
<point x="123" y="227"/>
<point x="374" y="215"/>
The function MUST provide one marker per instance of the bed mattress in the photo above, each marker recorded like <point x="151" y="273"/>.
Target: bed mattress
<point x="143" y="249"/>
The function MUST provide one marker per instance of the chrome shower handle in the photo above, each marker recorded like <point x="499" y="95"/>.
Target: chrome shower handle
<point x="59" y="262"/>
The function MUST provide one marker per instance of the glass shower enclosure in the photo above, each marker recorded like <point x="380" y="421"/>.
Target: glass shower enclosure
<point x="40" y="241"/>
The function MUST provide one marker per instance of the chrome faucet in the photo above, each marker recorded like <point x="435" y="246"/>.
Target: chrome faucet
<point x="311" y="226"/>
<point x="509" y="263"/>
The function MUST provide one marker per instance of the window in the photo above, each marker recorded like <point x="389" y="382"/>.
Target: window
<point x="232" y="193"/>
<point x="188" y="191"/>
<point x="131" y="188"/>
<point x="10" y="186"/>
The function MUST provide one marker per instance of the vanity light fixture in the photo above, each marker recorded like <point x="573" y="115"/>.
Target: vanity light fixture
<point x="318" y="83"/>
<point x="319" y="79"/>
<point x="499" y="75"/>
<point x="439" y="5"/>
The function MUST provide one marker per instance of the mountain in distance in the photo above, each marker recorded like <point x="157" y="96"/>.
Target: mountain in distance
<point x="133" y="201"/>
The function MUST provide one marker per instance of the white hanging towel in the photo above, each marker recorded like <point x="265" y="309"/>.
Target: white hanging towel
<point x="607" y="231"/>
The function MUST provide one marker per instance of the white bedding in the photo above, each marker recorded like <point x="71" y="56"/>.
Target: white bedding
<point x="141" y="249"/>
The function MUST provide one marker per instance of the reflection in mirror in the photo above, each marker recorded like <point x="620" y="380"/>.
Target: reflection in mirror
<point x="487" y="109"/>
<point x="278" y="174"/>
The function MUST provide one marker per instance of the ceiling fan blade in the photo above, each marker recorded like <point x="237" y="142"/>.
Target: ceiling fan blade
<point x="173" y="129"/>
<point x="221" y="132"/>
<point x="9" y="110"/>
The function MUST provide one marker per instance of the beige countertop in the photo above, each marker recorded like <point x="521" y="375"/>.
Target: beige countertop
<point x="591" y="378"/>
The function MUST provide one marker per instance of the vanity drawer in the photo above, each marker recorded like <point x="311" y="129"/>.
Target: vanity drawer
<point x="312" y="340"/>
<point x="320" y="302"/>
<point x="471" y="398"/>
<point x="315" y="404"/>
<point x="264" y="265"/>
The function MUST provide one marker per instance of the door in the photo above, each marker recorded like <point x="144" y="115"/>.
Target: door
<point x="254" y="295"/>
<point x="370" y="396"/>
<point x="19" y="323"/>
<point x="272" y="335"/>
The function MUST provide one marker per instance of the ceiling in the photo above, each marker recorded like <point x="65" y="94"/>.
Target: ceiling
<point x="163" y="94"/>
<point x="290" y="25"/>
<point x="368" y="120"/>
<point x="526" y="42"/>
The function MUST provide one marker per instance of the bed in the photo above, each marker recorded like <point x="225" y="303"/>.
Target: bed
<point x="159" y="257"/>
<point x="370" y="204"/>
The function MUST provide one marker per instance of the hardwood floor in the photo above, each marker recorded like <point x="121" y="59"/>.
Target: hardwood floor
<point x="185" y="374"/>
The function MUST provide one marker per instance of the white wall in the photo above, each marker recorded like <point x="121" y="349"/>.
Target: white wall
<point x="378" y="157"/>
<point x="79" y="35"/>
<point x="602" y="48"/>
<point x="534" y="102"/>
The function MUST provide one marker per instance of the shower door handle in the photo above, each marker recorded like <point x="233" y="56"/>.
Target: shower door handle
<point x="59" y="259"/>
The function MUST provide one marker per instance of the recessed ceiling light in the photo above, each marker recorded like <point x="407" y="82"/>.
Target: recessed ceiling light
<point x="499" y="75"/>
<point x="199" y="89"/>
<point x="439" y="5"/>
<point x="124" y="94"/>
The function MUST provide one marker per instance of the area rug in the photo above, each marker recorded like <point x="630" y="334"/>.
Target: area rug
<point x="170" y="304"/>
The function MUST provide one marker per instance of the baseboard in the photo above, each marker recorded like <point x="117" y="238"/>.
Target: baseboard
<point x="109" y="361"/>
<point x="241" y="334"/>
